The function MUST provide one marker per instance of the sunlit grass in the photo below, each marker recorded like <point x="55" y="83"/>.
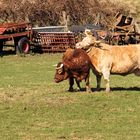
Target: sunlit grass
<point x="33" y="107"/>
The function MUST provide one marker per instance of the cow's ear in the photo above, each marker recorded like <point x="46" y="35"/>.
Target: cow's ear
<point x="98" y="43"/>
<point x="60" y="69"/>
<point x="88" y="32"/>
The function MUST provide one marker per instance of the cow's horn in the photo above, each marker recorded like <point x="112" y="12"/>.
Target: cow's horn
<point x="60" y="66"/>
<point x="54" y="65"/>
<point x="97" y="41"/>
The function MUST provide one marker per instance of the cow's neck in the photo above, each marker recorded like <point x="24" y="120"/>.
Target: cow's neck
<point x="66" y="75"/>
<point x="94" y="50"/>
<point x="88" y="50"/>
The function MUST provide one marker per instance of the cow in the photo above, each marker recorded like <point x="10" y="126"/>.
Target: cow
<point x="75" y="65"/>
<point x="87" y="39"/>
<point x="107" y="59"/>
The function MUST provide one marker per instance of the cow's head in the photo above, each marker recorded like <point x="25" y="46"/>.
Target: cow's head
<point x="88" y="45"/>
<point x="88" y="41"/>
<point x="60" y="73"/>
<point x="88" y="32"/>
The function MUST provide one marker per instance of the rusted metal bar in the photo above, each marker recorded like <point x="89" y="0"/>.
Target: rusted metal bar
<point x="55" y="42"/>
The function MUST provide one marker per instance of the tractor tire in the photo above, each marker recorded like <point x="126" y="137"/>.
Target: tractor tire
<point x="23" y="46"/>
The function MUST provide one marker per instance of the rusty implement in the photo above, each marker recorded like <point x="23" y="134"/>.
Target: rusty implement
<point x="11" y="30"/>
<point x="124" y="30"/>
<point x="19" y="35"/>
<point x="54" y="41"/>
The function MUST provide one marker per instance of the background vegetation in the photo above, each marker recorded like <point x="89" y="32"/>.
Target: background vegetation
<point x="33" y="107"/>
<point x="49" y="12"/>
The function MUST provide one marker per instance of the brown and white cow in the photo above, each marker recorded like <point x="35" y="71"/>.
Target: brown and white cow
<point x="75" y="65"/>
<point x="107" y="59"/>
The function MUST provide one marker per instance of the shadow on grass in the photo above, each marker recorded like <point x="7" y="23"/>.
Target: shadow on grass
<point x="7" y="52"/>
<point x="125" y="89"/>
<point x="112" y="89"/>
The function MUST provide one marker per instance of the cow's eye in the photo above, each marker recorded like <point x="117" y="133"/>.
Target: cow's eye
<point x="60" y="71"/>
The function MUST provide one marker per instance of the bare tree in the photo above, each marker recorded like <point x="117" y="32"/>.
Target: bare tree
<point x="49" y="12"/>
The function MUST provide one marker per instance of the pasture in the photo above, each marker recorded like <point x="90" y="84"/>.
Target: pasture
<point x="33" y="107"/>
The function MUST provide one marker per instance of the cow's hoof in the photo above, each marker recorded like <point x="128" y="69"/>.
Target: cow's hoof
<point x="79" y="89"/>
<point x="74" y="90"/>
<point x="71" y="90"/>
<point x="88" y="91"/>
<point x="107" y="90"/>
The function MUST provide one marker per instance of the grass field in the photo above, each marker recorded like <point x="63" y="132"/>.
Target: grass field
<point x="33" y="107"/>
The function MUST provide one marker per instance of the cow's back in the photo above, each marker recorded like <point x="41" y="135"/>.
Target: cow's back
<point x="119" y="59"/>
<point x="125" y="59"/>
<point x="76" y="59"/>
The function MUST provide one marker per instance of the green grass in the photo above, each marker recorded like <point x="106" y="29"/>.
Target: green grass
<point x="33" y="107"/>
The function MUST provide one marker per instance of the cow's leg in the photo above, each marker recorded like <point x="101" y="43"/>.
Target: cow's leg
<point x="88" y="89"/>
<point x="98" y="79"/>
<point x="78" y="84"/>
<point x="106" y="75"/>
<point x="137" y="72"/>
<point x="71" y="83"/>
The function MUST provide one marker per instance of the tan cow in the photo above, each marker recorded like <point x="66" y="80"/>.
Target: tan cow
<point x="87" y="40"/>
<point x="107" y="59"/>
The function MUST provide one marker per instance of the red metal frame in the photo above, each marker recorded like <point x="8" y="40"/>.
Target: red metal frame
<point x="15" y="29"/>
